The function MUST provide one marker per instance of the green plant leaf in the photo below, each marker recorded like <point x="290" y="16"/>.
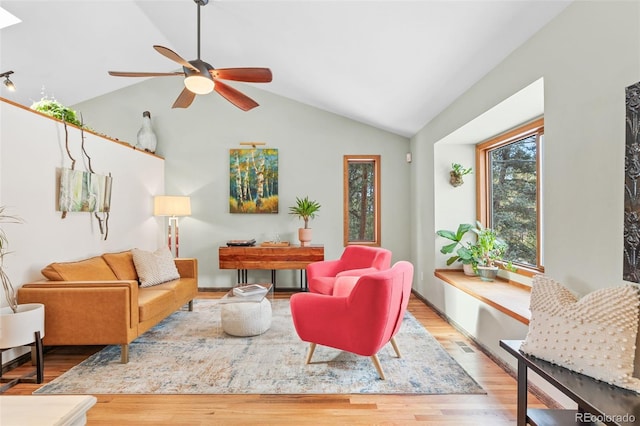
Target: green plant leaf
<point x="451" y="260"/>
<point x="448" y="248"/>
<point x="449" y="235"/>
<point x="463" y="229"/>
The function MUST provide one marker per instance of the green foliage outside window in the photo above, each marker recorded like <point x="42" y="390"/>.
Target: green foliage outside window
<point x="513" y="201"/>
<point x="361" y="201"/>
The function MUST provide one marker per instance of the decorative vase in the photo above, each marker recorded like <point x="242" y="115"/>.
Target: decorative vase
<point x="147" y="139"/>
<point x="487" y="273"/>
<point x="18" y="329"/>
<point x="304" y="235"/>
<point x="467" y="268"/>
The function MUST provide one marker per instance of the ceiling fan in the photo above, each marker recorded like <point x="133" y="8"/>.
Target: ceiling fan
<point x="201" y="78"/>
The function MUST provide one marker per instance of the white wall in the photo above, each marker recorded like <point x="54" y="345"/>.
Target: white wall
<point x="587" y="56"/>
<point x="32" y="148"/>
<point x="311" y="143"/>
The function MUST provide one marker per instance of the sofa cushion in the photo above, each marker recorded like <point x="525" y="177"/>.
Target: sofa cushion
<point x="183" y="289"/>
<point x="154" y="267"/>
<point x="92" y="269"/>
<point x="153" y="302"/>
<point x="122" y="265"/>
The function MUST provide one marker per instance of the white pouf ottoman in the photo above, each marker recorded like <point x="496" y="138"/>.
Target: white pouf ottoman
<point x="246" y="318"/>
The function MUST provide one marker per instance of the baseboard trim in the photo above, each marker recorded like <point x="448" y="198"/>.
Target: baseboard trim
<point x="536" y="391"/>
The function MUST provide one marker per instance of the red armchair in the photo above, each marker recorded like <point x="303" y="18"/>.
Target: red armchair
<point x="355" y="261"/>
<point x="361" y="320"/>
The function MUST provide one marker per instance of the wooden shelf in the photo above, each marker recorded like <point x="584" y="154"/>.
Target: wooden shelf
<point x="509" y="298"/>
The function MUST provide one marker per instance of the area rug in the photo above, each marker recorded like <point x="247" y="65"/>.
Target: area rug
<point x="188" y="353"/>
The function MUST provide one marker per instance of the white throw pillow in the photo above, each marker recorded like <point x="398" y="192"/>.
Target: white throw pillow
<point x="154" y="267"/>
<point x="594" y="335"/>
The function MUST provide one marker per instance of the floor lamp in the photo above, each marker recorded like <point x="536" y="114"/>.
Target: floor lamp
<point x="172" y="206"/>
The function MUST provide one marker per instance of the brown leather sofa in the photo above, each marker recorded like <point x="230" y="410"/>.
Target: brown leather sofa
<point x="98" y="301"/>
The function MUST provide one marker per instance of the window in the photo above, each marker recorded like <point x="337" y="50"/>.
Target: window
<point x="509" y="191"/>
<point x="362" y="200"/>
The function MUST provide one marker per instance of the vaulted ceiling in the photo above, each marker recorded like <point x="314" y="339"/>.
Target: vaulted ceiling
<point x="391" y="64"/>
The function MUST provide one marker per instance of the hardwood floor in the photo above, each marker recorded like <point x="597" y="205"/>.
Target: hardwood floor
<point x="497" y="407"/>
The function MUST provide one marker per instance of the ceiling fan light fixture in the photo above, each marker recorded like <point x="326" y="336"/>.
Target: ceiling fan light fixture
<point x="199" y="84"/>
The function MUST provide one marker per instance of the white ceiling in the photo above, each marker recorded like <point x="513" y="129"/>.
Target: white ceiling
<point x="391" y="64"/>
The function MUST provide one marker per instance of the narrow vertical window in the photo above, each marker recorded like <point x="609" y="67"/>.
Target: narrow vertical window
<point x="509" y="191"/>
<point x="362" y="200"/>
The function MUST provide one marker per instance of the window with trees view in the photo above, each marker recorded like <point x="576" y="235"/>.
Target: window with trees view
<point x="509" y="184"/>
<point x="362" y="200"/>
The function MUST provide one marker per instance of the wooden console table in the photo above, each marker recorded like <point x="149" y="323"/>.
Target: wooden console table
<point x="272" y="258"/>
<point x="596" y="400"/>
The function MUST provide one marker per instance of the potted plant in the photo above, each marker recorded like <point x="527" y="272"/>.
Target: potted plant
<point x="456" y="173"/>
<point x="487" y="250"/>
<point x="305" y="209"/>
<point x="53" y="108"/>
<point x="463" y="253"/>
<point x="18" y="323"/>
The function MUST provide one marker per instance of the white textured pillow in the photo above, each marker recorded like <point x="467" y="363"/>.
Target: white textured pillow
<point x="595" y="335"/>
<point x="154" y="267"/>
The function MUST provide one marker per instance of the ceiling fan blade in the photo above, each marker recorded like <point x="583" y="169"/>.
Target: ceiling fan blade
<point x="174" y="57"/>
<point x="143" y="74"/>
<point x="251" y="75"/>
<point x="240" y="100"/>
<point x="184" y="99"/>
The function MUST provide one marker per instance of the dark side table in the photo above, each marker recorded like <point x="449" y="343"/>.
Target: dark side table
<point x="597" y="400"/>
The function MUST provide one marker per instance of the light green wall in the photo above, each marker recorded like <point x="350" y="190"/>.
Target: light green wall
<point x="196" y="141"/>
<point x="587" y="56"/>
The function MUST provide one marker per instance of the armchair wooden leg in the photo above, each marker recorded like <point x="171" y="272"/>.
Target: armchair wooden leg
<point x="124" y="354"/>
<point x="395" y="347"/>
<point x="376" y="362"/>
<point x="312" y="347"/>
<point x="190" y="305"/>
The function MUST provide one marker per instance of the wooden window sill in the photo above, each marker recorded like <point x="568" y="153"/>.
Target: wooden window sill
<point x="507" y="297"/>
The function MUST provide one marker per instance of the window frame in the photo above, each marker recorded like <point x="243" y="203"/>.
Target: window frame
<point x="347" y="159"/>
<point x="483" y="187"/>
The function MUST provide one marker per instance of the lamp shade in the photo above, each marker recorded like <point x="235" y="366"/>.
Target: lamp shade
<point x="171" y="205"/>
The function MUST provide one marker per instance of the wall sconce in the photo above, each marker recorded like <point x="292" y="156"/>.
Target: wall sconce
<point x="8" y="83"/>
<point x="172" y="206"/>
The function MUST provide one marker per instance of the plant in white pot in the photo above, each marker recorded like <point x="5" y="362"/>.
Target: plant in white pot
<point x="487" y="250"/>
<point x="18" y="323"/>
<point x="305" y="209"/>
<point x="462" y="250"/>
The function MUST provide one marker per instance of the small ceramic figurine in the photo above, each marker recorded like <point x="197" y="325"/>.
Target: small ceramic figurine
<point x="147" y="139"/>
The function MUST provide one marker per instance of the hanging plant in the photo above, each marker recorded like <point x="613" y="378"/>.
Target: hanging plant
<point x="456" y="173"/>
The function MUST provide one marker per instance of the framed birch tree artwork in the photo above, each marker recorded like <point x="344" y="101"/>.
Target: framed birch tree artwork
<point x="253" y="180"/>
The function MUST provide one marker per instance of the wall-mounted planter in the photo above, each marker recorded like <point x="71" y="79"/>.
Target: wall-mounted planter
<point x="456" y="179"/>
<point x="456" y="174"/>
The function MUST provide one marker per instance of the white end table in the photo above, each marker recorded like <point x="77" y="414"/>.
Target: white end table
<point x="45" y="410"/>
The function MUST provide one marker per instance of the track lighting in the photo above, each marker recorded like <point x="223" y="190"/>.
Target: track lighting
<point x="8" y="82"/>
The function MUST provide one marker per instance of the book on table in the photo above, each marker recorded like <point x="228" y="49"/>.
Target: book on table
<point x="249" y="290"/>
